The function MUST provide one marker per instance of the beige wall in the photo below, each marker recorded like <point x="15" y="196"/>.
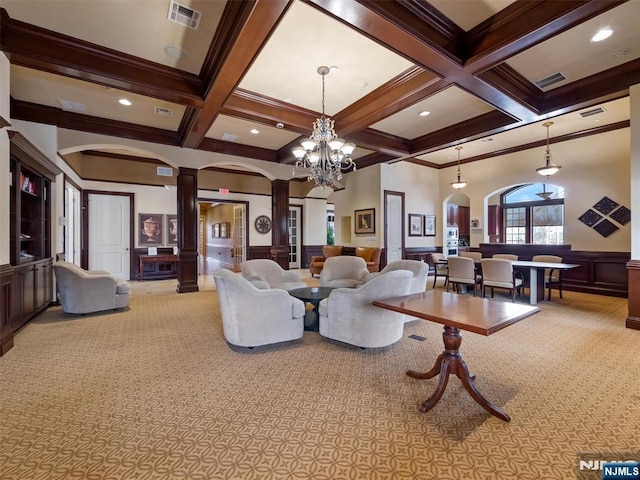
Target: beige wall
<point x="592" y="167"/>
<point x="635" y="171"/>
<point x="5" y="176"/>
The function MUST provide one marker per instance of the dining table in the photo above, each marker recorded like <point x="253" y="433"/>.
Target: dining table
<point x="536" y="282"/>
<point x="457" y="312"/>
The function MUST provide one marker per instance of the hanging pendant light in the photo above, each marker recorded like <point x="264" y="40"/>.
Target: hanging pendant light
<point x="459" y="182"/>
<point x="323" y="154"/>
<point x="549" y="168"/>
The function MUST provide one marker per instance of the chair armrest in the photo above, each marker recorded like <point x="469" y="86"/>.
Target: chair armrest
<point x="317" y="258"/>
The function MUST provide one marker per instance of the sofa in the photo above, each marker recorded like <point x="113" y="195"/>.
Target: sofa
<point x="87" y="291"/>
<point x="371" y="255"/>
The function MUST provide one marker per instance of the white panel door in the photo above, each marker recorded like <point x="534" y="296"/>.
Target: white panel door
<point x="394" y="227"/>
<point x="109" y="234"/>
<point x="294" y="236"/>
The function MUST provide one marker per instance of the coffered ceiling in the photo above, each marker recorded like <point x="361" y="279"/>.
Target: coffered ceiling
<point x="472" y="64"/>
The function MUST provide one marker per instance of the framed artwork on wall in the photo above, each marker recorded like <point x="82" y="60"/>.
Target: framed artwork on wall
<point x="429" y="225"/>
<point x="171" y="228"/>
<point x="415" y="225"/>
<point x="151" y="226"/>
<point x="365" y="221"/>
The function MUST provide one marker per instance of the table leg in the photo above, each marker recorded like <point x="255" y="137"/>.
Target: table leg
<point x="447" y="363"/>
<point x="533" y="286"/>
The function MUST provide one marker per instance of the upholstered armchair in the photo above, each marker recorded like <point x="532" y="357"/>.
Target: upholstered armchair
<point x="371" y="255"/>
<point x="85" y="291"/>
<point x="343" y="271"/>
<point x="252" y="316"/>
<point x="348" y="316"/>
<point x="440" y="267"/>
<point x="265" y="273"/>
<point x="498" y="273"/>
<point x="317" y="261"/>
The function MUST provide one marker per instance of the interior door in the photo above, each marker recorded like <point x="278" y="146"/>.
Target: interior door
<point x="394" y="206"/>
<point x="110" y="234"/>
<point x="294" y="236"/>
<point x="72" y="224"/>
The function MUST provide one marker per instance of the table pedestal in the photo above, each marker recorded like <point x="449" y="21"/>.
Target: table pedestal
<point x="450" y="362"/>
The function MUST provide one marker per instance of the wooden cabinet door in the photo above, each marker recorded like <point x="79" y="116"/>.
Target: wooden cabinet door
<point x="464" y="220"/>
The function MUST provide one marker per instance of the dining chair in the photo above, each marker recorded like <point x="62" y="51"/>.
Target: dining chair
<point x="505" y="256"/>
<point x="498" y="273"/>
<point x="441" y="269"/>
<point x="476" y="256"/>
<point x="551" y="275"/>
<point x="462" y="271"/>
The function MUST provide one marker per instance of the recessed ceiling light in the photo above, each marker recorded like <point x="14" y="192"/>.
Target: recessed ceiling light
<point x="488" y="139"/>
<point x="124" y="101"/>
<point x="602" y="34"/>
<point x="279" y="125"/>
<point x="174" y="51"/>
<point x="424" y="113"/>
<point x="255" y="131"/>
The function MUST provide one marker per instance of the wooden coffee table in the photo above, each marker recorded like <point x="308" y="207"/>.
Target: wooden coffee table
<point x="457" y="312"/>
<point x="311" y="319"/>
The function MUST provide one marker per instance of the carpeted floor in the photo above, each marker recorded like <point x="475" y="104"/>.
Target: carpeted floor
<point x="155" y="392"/>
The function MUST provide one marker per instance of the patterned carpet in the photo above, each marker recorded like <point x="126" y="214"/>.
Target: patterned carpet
<point x="155" y="392"/>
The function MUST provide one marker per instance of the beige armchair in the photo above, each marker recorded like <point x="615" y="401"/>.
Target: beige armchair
<point x="85" y="291"/>
<point x="317" y="261"/>
<point x="343" y="271"/>
<point x="265" y="273"/>
<point x="252" y="317"/>
<point x="348" y="316"/>
<point x="498" y="273"/>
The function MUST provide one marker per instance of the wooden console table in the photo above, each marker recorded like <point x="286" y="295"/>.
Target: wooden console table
<point x="457" y="312"/>
<point x="160" y="258"/>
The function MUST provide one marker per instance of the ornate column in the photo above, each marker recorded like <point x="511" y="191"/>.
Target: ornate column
<point x="187" y="230"/>
<point x="280" y="222"/>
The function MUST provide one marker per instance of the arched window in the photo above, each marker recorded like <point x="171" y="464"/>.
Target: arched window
<point x="533" y="213"/>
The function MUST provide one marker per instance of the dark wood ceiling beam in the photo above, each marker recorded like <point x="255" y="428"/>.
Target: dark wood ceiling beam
<point x="521" y="25"/>
<point x="256" y="21"/>
<point x="71" y="57"/>
<point x="373" y="159"/>
<point x="238" y="149"/>
<point x="408" y="88"/>
<point x="31" y="112"/>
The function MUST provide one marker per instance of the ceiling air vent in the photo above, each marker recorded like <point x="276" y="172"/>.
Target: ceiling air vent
<point x="71" y="106"/>
<point x="165" y="112"/>
<point x="229" y="137"/>
<point x="165" y="172"/>
<point x="183" y="15"/>
<point x="593" y="111"/>
<point x="550" y="80"/>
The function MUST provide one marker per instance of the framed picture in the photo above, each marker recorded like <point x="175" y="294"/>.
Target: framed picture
<point x="172" y="229"/>
<point x="365" y="221"/>
<point x="475" y="223"/>
<point x="415" y="225"/>
<point x="429" y="225"/>
<point x="216" y="230"/>
<point x="151" y="226"/>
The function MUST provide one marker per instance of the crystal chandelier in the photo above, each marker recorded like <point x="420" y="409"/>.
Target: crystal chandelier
<point x="323" y="154"/>
<point x="549" y="168"/>
<point x="459" y="181"/>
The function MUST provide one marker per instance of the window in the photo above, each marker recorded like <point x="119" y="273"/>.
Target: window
<point x="533" y="213"/>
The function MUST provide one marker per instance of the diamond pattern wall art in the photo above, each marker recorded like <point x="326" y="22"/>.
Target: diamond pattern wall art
<point x="601" y="222"/>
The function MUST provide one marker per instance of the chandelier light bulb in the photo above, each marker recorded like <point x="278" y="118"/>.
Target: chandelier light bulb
<point x="548" y="168"/>
<point x="323" y="155"/>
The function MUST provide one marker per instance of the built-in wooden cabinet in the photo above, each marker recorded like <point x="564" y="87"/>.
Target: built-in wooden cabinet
<point x="31" y="286"/>
<point x="459" y="216"/>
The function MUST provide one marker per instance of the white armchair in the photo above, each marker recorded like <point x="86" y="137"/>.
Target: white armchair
<point x="86" y="291"/>
<point x="420" y="271"/>
<point x="348" y="316"/>
<point x="265" y="273"/>
<point x="343" y="271"/>
<point x="252" y="316"/>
